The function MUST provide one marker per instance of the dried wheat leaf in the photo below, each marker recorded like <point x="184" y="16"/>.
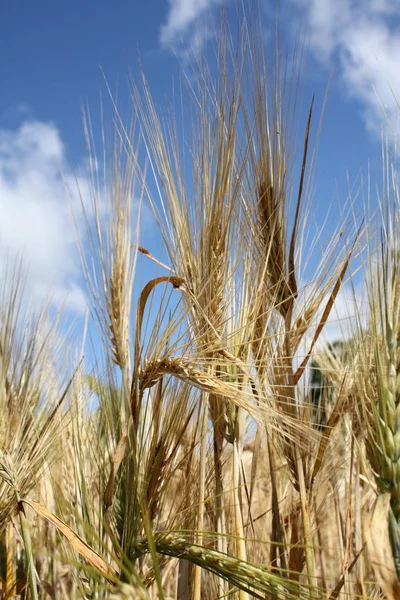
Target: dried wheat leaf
<point x="176" y="282"/>
<point x="291" y="267"/>
<point x="76" y="541"/>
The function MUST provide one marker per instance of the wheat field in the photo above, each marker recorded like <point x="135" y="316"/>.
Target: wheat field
<point x="216" y="445"/>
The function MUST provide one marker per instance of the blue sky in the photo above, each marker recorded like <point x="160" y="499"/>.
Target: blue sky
<point x="51" y="57"/>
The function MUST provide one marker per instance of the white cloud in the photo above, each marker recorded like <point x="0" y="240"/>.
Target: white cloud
<point x="35" y="219"/>
<point x="187" y="24"/>
<point x="364" y="39"/>
<point x="361" y="37"/>
<point x="182" y="14"/>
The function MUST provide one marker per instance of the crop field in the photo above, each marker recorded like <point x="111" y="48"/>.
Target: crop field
<point x="212" y="442"/>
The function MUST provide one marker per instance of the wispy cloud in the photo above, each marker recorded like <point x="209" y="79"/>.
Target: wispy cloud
<point x="36" y="218"/>
<point x="188" y="24"/>
<point x="363" y="38"/>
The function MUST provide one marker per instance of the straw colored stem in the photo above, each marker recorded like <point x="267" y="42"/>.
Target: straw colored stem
<point x="200" y="516"/>
<point x="306" y="525"/>
<point x="26" y="536"/>
<point x="11" y="571"/>
<point x="240" y="540"/>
